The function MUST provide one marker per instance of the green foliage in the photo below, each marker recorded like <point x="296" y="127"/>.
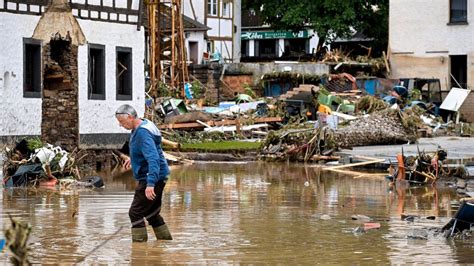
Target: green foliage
<point x="249" y="91"/>
<point x="34" y="143"/>
<point x="198" y="90"/>
<point x="329" y="18"/>
<point x="200" y="136"/>
<point x="163" y="90"/>
<point x="369" y="104"/>
<point x="223" y="146"/>
<point x="415" y="94"/>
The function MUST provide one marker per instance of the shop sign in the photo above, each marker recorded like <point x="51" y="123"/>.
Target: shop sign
<point x="262" y="35"/>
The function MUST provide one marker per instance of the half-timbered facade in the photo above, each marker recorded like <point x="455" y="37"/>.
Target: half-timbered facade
<point x="224" y="20"/>
<point x="66" y="65"/>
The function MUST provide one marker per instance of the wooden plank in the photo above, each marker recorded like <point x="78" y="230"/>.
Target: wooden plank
<point x="372" y="161"/>
<point x="218" y="123"/>
<point x="140" y="14"/>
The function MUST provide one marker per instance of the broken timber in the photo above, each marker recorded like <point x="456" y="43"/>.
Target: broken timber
<point x="217" y="123"/>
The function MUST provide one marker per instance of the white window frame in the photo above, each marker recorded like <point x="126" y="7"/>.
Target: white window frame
<point x="212" y="7"/>
<point x="226" y="9"/>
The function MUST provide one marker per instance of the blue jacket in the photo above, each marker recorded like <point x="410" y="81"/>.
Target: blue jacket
<point x="147" y="158"/>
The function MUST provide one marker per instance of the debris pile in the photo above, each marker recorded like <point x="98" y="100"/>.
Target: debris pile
<point x="384" y="127"/>
<point x="424" y="168"/>
<point x="308" y="117"/>
<point x="32" y="163"/>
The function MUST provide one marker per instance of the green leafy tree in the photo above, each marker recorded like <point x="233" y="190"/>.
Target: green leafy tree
<point x="329" y="18"/>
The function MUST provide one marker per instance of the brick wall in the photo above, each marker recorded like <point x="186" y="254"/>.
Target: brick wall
<point x="236" y="82"/>
<point x="217" y="90"/>
<point x="467" y="109"/>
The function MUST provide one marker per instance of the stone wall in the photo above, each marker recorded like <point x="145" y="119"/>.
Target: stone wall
<point x="60" y="116"/>
<point x="209" y="76"/>
<point x="98" y="159"/>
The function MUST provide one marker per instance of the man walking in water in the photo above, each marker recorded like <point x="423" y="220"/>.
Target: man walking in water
<point x="150" y="169"/>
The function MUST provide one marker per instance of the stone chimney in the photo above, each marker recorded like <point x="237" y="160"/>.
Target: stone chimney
<point x="58" y="18"/>
<point x="61" y="35"/>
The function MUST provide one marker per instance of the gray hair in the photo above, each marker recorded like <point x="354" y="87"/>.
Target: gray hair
<point x="126" y="109"/>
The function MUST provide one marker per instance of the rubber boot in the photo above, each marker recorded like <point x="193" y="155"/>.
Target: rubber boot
<point x="162" y="232"/>
<point x="139" y="234"/>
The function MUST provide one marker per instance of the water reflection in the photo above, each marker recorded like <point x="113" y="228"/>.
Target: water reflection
<point x="241" y="213"/>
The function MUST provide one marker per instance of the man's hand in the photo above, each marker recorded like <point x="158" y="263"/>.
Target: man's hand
<point x="150" y="193"/>
<point x="126" y="162"/>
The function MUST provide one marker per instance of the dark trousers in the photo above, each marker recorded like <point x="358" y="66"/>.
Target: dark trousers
<point x="143" y="208"/>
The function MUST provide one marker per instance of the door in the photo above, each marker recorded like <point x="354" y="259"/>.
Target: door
<point x="458" y="71"/>
<point x="193" y="52"/>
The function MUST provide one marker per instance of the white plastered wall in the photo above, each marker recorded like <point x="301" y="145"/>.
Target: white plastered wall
<point x="18" y="115"/>
<point x="224" y="47"/>
<point x="421" y="40"/>
<point x="220" y="27"/>
<point x="97" y="116"/>
<point x="196" y="36"/>
<point x="198" y="5"/>
<point x="237" y="10"/>
<point x="419" y="27"/>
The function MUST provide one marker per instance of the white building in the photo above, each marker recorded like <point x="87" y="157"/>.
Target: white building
<point x="109" y="72"/>
<point x="434" y="39"/>
<point x="224" y="20"/>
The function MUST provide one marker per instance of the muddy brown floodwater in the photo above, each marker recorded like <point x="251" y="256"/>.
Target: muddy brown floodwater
<point x="242" y="213"/>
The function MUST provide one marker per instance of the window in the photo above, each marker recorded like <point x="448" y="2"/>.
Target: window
<point x="32" y="68"/>
<point x="96" y="70"/>
<point x="124" y="73"/>
<point x="458" y="11"/>
<point x="212" y="7"/>
<point x="244" y="50"/>
<point x="210" y="46"/>
<point x="226" y="10"/>
<point x="267" y="48"/>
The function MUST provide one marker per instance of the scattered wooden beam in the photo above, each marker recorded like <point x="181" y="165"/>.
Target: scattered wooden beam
<point x="217" y="123"/>
<point x="170" y="143"/>
<point x="372" y="161"/>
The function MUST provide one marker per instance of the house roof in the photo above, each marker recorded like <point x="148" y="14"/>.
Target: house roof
<point x="191" y="24"/>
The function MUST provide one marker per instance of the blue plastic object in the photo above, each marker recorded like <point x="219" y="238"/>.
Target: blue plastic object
<point x="187" y="91"/>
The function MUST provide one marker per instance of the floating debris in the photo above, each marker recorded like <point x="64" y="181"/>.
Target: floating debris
<point x="462" y="221"/>
<point x="16" y="241"/>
